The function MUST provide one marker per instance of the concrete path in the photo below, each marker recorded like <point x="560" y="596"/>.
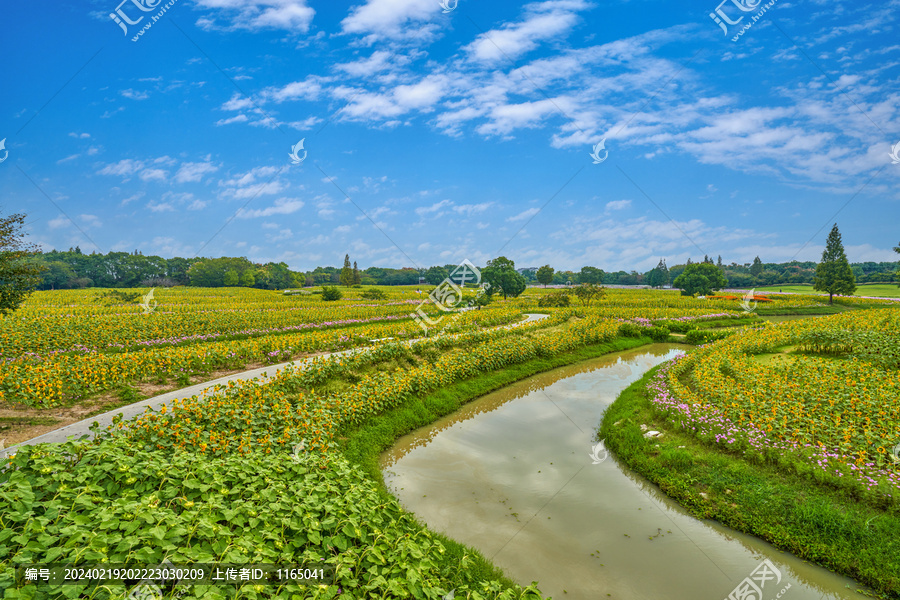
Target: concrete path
<point x="131" y="411"/>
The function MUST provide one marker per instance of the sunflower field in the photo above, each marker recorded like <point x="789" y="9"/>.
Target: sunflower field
<point x="822" y="393"/>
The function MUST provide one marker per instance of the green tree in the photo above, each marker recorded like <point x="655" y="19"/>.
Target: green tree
<point x="330" y="294"/>
<point x="833" y="273"/>
<point x="247" y="279"/>
<point x="435" y="275"/>
<point x="659" y="276"/>
<point x="700" y="278"/>
<point x="756" y="268"/>
<point x="347" y="272"/>
<point x="545" y="275"/>
<point x="356" y="277"/>
<point x="558" y="298"/>
<point x="897" y="274"/>
<point x="231" y="278"/>
<point x="501" y="274"/>
<point x="20" y="274"/>
<point x="590" y="275"/>
<point x="588" y="292"/>
<point x="57" y="276"/>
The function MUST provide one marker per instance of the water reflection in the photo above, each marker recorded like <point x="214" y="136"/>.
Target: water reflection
<point x="511" y="474"/>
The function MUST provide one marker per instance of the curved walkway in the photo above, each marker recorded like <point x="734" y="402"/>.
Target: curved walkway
<point x="81" y="428"/>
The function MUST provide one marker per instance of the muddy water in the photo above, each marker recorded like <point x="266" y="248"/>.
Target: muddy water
<point x="511" y="475"/>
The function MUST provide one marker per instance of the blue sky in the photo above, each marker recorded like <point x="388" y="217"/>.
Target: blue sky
<point x="434" y="136"/>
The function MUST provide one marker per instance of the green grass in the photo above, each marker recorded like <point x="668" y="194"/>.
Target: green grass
<point x="364" y="444"/>
<point x="816" y="523"/>
<point x="803" y="310"/>
<point x="879" y="290"/>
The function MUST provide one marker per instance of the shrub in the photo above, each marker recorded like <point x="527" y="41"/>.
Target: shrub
<point x="658" y="334"/>
<point x="330" y="294"/>
<point x="677" y="326"/>
<point x="630" y="330"/>
<point x="373" y="294"/>
<point x="560" y="299"/>
<point x="702" y="336"/>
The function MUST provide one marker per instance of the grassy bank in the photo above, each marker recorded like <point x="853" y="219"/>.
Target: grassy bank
<point x="877" y="290"/>
<point x="363" y="445"/>
<point x="815" y="522"/>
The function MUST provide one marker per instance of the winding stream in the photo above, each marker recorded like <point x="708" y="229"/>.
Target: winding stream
<point x="511" y="474"/>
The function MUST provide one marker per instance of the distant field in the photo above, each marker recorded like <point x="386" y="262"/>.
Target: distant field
<point x="879" y="290"/>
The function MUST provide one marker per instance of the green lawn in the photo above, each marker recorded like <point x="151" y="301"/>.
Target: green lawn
<point x="878" y="290"/>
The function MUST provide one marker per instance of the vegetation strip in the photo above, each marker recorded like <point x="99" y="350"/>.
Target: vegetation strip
<point x="819" y="523"/>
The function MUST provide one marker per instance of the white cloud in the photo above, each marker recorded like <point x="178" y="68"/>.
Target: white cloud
<point x="154" y="174"/>
<point x="60" y="221"/>
<point x="238" y="102"/>
<point x="434" y="208"/>
<point x="256" y="182"/>
<point x="525" y="214"/>
<point x="471" y="209"/>
<point x="255" y="15"/>
<point x="543" y="21"/>
<point x="240" y="118"/>
<point x="194" y="171"/>
<point x="282" y="206"/>
<point x="123" y="168"/>
<point x="134" y="94"/>
<point x="393" y="19"/>
<point x="618" y="204"/>
<point x="90" y="220"/>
